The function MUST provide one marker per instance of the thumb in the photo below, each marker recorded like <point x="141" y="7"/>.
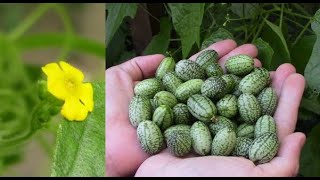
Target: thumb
<point x="142" y="67"/>
<point x="287" y="161"/>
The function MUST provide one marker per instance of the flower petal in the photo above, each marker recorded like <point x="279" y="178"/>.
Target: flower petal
<point x="55" y="80"/>
<point x="57" y="87"/>
<point x="86" y="95"/>
<point x="73" y="109"/>
<point x="71" y="71"/>
<point x="52" y="70"/>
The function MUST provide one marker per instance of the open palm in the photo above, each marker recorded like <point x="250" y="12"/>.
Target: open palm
<point x="124" y="155"/>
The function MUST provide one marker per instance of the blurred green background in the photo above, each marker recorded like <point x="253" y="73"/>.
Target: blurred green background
<point x="32" y="35"/>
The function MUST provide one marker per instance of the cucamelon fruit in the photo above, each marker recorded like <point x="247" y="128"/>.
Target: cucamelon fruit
<point x="207" y="57"/>
<point x="171" y="82"/>
<point x="254" y="82"/>
<point x="188" y="88"/>
<point x="242" y="147"/>
<point x="213" y="86"/>
<point x="165" y="98"/>
<point x="150" y="137"/>
<point x="264" y="148"/>
<point x="214" y="69"/>
<point x="239" y="65"/>
<point x="163" y="117"/>
<point x="187" y="69"/>
<point x="178" y="139"/>
<point x="224" y="142"/>
<point x="249" y="108"/>
<point x="181" y="114"/>
<point x="201" y="138"/>
<point x="140" y="109"/>
<point x="245" y="130"/>
<point x="166" y="65"/>
<point x="268" y="101"/>
<point x="227" y="106"/>
<point x="148" y="87"/>
<point x="263" y="125"/>
<point x="221" y="122"/>
<point x="202" y="108"/>
<point x="230" y="82"/>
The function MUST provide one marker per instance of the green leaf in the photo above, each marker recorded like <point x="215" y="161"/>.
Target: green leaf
<point x="219" y="35"/>
<point x="312" y="71"/>
<point x="116" y="13"/>
<point x="301" y="52"/>
<point x="245" y="10"/>
<point x="80" y="146"/>
<point x="46" y="40"/>
<point x="281" y="55"/>
<point x="310" y="155"/>
<point x="187" y="19"/>
<point x="160" y="42"/>
<point x="278" y="31"/>
<point x="265" y="52"/>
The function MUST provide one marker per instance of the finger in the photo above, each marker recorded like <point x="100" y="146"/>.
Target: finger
<point x="142" y="67"/>
<point x="257" y="62"/>
<point x="281" y="74"/>
<point x="288" y="105"/>
<point x="221" y="47"/>
<point x="287" y="161"/>
<point x="247" y="49"/>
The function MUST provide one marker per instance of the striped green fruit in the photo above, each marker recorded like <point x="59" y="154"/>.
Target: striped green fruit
<point x="254" y="82"/>
<point x="202" y="108"/>
<point x="263" y="125"/>
<point x="163" y="117"/>
<point x="201" y="138"/>
<point x="207" y="57"/>
<point x="221" y="122"/>
<point x="165" y="98"/>
<point x="178" y="139"/>
<point x="187" y="89"/>
<point x="239" y="65"/>
<point x="242" y="147"/>
<point x="230" y="82"/>
<point x="268" y="101"/>
<point x="224" y="142"/>
<point x="171" y="82"/>
<point x="227" y="106"/>
<point x="249" y="108"/>
<point x="153" y="105"/>
<point x="140" y="109"/>
<point x="187" y="69"/>
<point x="214" y="69"/>
<point x="236" y="90"/>
<point x="181" y="114"/>
<point x="213" y="87"/>
<point x="148" y="87"/>
<point x="245" y="130"/>
<point x="150" y="137"/>
<point x="264" y="148"/>
<point x="166" y="65"/>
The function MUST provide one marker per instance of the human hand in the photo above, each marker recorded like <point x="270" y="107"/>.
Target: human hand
<point x="289" y="87"/>
<point x="123" y="152"/>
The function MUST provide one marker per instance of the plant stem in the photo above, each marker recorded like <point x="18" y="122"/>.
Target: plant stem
<point x="167" y="9"/>
<point x="260" y="28"/>
<point x="281" y="16"/>
<point x="142" y="7"/>
<point x="301" y="33"/>
<point x="29" y="21"/>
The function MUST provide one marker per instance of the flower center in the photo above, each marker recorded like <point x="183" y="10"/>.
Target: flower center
<point x="70" y="85"/>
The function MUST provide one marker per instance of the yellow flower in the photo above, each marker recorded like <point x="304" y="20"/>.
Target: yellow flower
<point x="65" y="83"/>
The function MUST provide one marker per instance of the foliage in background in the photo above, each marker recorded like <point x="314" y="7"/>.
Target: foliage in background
<point x="283" y="33"/>
<point x="24" y="111"/>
